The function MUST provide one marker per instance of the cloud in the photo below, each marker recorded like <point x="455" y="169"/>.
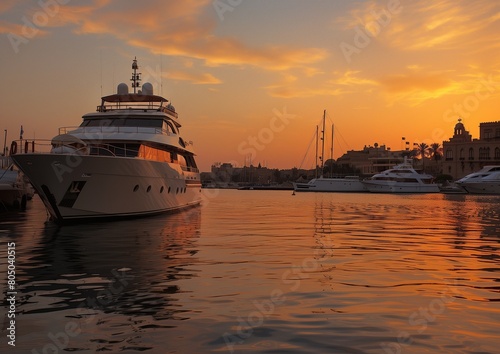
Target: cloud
<point x="415" y="81"/>
<point x="292" y="86"/>
<point x="418" y="85"/>
<point x="6" y="5"/>
<point x="179" y="28"/>
<point x="197" y="78"/>
<point x="351" y="78"/>
<point x="421" y="25"/>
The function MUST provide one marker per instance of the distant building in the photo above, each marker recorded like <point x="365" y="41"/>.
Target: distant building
<point x="464" y="155"/>
<point x="225" y="175"/>
<point x="372" y="159"/>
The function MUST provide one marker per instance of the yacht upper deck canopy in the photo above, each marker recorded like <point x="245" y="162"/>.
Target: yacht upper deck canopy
<point x="133" y="97"/>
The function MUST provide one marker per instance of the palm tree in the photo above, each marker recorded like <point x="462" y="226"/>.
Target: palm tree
<point x="422" y="150"/>
<point x="436" y="152"/>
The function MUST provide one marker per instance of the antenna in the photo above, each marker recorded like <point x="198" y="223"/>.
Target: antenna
<point x="136" y="77"/>
<point x="161" y="74"/>
<point x="101" y="69"/>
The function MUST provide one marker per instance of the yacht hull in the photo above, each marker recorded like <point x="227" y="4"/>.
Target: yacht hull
<point x="75" y="187"/>
<point x="482" y="188"/>
<point x="399" y="187"/>
<point x="331" y="185"/>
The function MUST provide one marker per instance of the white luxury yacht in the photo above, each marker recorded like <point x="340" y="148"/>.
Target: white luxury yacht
<point x="485" y="181"/>
<point x="125" y="159"/>
<point x="401" y="178"/>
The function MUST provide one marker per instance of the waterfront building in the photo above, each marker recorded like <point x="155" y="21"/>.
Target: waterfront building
<point x="464" y="155"/>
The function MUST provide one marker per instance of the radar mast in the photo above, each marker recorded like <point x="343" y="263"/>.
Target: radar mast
<point x="136" y="77"/>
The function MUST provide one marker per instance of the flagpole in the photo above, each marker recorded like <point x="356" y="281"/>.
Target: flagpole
<point x="21" y="138"/>
<point x="5" y="144"/>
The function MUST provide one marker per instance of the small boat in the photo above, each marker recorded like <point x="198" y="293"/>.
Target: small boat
<point x="126" y="159"/>
<point x="485" y="181"/>
<point x="331" y="184"/>
<point x="14" y="190"/>
<point x="451" y="188"/>
<point x="401" y="178"/>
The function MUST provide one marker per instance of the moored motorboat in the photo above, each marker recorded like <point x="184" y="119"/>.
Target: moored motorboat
<point x="331" y="184"/>
<point x="401" y="178"/>
<point x="125" y="159"/>
<point x="484" y="181"/>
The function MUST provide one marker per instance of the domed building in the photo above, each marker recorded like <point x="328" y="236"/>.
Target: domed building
<point x="464" y="155"/>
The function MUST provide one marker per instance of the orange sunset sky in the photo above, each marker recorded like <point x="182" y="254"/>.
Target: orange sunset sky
<point x="252" y="77"/>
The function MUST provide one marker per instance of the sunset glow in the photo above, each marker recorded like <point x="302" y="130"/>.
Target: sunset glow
<point x="253" y="77"/>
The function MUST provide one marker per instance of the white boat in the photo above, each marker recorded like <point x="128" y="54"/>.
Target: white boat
<point x="324" y="184"/>
<point x="485" y="181"/>
<point x="11" y="189"/>
<point x="329" y="184"/>
<point x="125" y="159"/>
<point x="401" y="178"/>
<point x="15" y="190"/>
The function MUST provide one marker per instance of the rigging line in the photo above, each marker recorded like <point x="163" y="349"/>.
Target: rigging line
<point x="5" y="171"/>
<point x="338" y="133"/>
<point x="307" y="151"/>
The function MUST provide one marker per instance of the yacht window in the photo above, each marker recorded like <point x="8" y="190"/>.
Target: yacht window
<point x="123" y="122"/>
<point x="124" y="150"/>
<point x="182" y="161"/>
<point x="169" y="127"/>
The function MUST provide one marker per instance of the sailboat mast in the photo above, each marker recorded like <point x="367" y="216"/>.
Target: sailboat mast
<point x="316" y="160"/>
<point x="323" y="144"/>
<point x="331" y="156"/>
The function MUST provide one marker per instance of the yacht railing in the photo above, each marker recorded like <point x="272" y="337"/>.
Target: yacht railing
<point x="189" y="169"/>
<point x="135" y="106"/>
<point x="44" y="146"/>
<point x="113" y="129"/>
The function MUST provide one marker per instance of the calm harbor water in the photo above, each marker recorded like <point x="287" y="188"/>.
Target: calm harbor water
<point x="262" y="272"/>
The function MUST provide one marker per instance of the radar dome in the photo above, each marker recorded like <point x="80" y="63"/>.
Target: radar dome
<point x="147" y="88"/>
<point x="122" y="89"/>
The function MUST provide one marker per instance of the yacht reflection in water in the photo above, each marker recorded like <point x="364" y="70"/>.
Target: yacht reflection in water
<point x="125" y="268"/>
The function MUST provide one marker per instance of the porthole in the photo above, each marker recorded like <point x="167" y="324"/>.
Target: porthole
<point x="168" y="189"/>
<point x="184" y="189"/>
<point x="136" y="188"/>
<point x="161" y="189"/>
<point x="177" y="190"/>
<point x="149" y="189"/>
